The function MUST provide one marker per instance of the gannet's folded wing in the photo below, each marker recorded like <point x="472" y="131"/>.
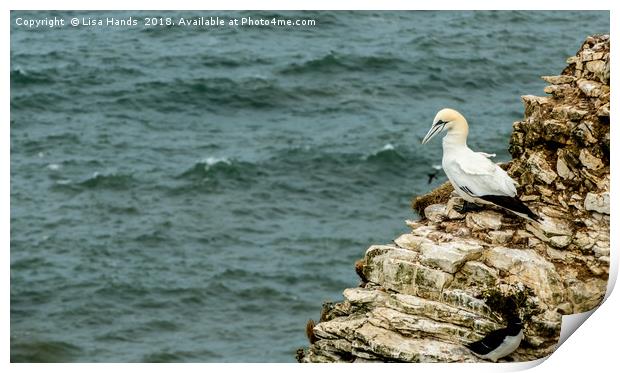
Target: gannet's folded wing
<point x="478" y="176"/>
<point x="476" y="164"/>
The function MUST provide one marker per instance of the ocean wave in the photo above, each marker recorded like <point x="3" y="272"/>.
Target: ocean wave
<point x="214" y="167"/>
<point x="111" y="181"/>
<point x="42" y="351"/>
<point x="387" y="154"/>
<point x="53" y="167"/>
<point x="122" y="210"/>
<point x="218" y="175"/>
<point x="28" y="263"/>
<point x="154" y="237"/>
<point x="38" y="101"/>
<point x="108" y="181"/>
<point x="324" y="164"/>
<point x="160" y="298"/>
<point x="214" y="94"/>
<point x="21" y="77"/>
<point x="335" y="62"/>
<point x="225" y="61"/>
<point x="173" y="356"/>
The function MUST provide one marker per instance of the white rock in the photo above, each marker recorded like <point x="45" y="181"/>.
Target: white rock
<point x="597" y="67"/>
<point x="585" y="295"/>
<point x="455" y="215"/>
<point x="413" y="224"/>
<point x="590" y="161"/>
<point x="540" y="168"/>
<point x="597" y="202"/>
<point x="428" y="282"/>
<point x="521" y="235"/>
<point x="435" y="212"/>
<point x="590" y="55"/>
<point x="565" y="308"/>
<point x="394" y="346"/>
<point x="364" y="296"/>
<point x="585" y="129"/>
<point x="529" y="100"/>
<point x="551" y="226"/>
<point x="556" y="254"/>
<point x="453" y="204"/>
<point x="600" y="249"/>
<point x="589" y="88"/>
<point x="486" y="219"/>
<point x="533" y="241"/>
<point x="583" y="242"/>
<point x="560" y="241"/>
<point x="558" y="79"/>
<point x="462" y="300"/>
<point x="448" y="257"/>
<point x="539" y="234"/>
<point x="410" y="241"/>
<point x="376" y="250"/>
<point x="554" y="212"/>
<point x="424" y="230"/>
<point x="476" y="273"/>
<point x="398" y="269"/>
<point x="338" y="327"/>
<point x="529" y="198"/>
<point x="562" y="169"/>
<point x="501" y="236"/>
<point x="454" y="313"/>
<point x="603" y="111"/>
<point x="529" y="268"/>
<point x="407" y="324"/>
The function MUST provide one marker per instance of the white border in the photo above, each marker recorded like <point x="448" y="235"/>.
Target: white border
<point x="594" y="345"/>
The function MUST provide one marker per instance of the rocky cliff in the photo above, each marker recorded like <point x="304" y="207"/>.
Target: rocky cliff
<point x="454" y="277"/>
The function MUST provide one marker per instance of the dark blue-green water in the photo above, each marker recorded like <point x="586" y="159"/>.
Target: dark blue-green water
<point x="195" y="193"/>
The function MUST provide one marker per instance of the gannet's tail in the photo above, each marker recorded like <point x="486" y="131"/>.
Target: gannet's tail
<point x="512" y="204"/>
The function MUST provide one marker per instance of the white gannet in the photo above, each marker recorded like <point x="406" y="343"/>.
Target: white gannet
<point x="474" y="177"/>
<point x="499" y="343"/>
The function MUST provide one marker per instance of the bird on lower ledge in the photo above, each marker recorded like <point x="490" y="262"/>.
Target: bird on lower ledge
<point x="499" y="343"/>
<point x="474" y="177"/>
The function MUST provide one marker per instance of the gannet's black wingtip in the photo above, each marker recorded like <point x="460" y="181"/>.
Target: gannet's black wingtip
<point x="513" y="204"/>
<point x="534" y="217"/>
<point x="531" y="214"/>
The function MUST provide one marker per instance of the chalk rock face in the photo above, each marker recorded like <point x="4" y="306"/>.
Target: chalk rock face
<point x="537" y="162"/>
<point x="445" y="283"/>
<point x="528" y="267"/>
<point x="598" y="202"/>
<point x="449" y="257"/>
<point x="435" y="212"/>
<point x="484" y="220"/>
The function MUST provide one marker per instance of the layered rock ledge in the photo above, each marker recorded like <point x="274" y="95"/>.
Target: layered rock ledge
<point x="445" y="283"/>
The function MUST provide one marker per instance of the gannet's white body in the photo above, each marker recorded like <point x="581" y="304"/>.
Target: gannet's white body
<point x="474" y="177"/>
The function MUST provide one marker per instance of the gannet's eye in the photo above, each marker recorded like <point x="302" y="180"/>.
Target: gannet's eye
<point x="440" y="122"/>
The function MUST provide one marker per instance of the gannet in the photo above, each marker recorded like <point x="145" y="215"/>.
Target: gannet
<point x="499" y="343"/>
<point x="474" y="177"/>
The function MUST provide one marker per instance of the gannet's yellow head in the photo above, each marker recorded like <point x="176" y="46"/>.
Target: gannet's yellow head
<point x="450" y="120"/>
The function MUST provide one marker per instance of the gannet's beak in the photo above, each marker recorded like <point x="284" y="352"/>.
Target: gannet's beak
<point x="435" y="129"/>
